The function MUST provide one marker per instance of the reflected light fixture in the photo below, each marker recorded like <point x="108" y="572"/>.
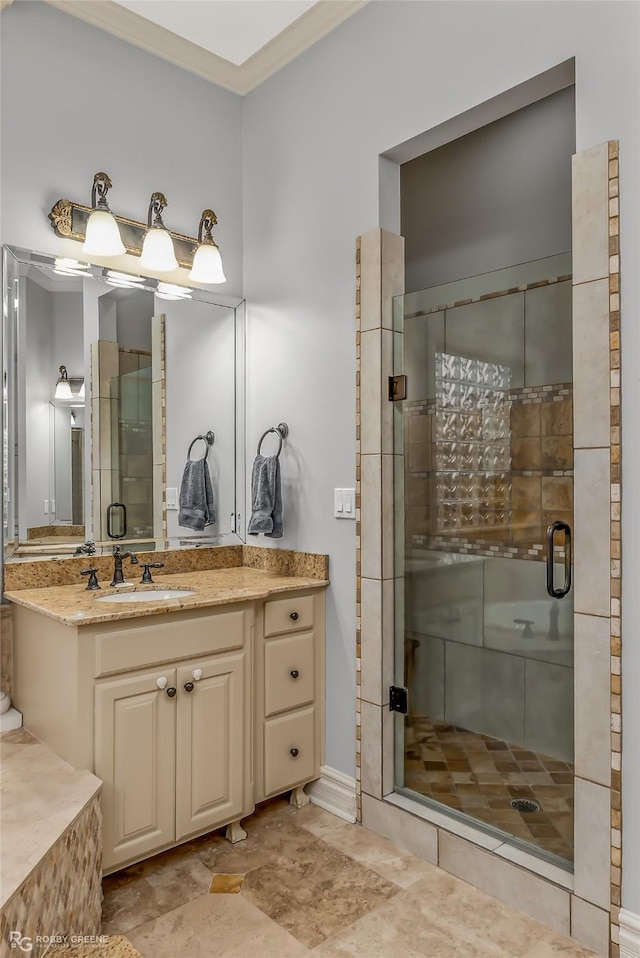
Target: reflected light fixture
<point x="170" y="291"/>
<point x="122" y="280"/>
<point x="70" y="267"/>
<point x="157" y="249"/>
<point x="63" y="388"/>
<point x="207" y="262"/>
<point x="103" y="236"/>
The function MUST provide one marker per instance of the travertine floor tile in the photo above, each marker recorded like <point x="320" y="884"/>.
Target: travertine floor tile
<point x="382" y="856"/>
<point x="151" y="889"/>
<point x="215" y="926"/>
<point x="316" y="892"/>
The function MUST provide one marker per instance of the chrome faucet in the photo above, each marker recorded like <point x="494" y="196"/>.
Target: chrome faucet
<point x="118" y="576"/>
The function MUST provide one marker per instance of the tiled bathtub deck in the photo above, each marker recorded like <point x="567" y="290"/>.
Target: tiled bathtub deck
<point x="312" y="884"/>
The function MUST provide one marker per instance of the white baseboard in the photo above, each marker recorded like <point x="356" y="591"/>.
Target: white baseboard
<point x="335" y="792"/>
<point x="629" y="934"/>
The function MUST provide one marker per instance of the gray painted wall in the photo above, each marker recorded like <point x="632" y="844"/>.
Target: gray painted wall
<point x="496" y="197"/>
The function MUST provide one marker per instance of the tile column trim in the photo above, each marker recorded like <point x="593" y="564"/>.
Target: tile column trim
<point x="379" y="277"/>
<point x="616" y="544"/>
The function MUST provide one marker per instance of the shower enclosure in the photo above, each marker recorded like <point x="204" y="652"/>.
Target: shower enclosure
<point x="484" y="512"/>
<point x="132" y="446"/>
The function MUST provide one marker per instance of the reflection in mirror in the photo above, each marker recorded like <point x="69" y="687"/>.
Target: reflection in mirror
<point x="147" y="374"/>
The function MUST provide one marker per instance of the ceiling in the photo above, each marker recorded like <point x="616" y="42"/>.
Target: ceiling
<point x="234" y="43"/>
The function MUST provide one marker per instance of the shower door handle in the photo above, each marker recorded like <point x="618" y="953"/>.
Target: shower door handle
<point x="558" y="526"/>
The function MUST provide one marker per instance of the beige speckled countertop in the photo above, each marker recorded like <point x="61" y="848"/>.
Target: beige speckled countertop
<point x="74" y="605"/>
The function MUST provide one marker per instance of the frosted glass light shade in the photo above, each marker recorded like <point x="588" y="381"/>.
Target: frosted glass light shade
<point x="207" y="265"/>
<point x="63" y="390"/>
<point x="103" y="236"/>
<point x="157" y="251"/>
<point x="81" y="391"/>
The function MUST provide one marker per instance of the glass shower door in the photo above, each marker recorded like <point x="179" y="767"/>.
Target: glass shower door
<point x="484" y="502"/>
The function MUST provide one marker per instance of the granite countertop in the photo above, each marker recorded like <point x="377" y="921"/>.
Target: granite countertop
<point x="74" y="605"/>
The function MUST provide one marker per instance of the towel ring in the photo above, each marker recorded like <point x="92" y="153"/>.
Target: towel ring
<point x="208" y="437"/>
<point x="281" y="429"/>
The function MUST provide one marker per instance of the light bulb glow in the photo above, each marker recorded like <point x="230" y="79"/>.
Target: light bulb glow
<point x="63" y="390"/>
<point x="102" y="236"/>
<point x="207" y="265"/>
<point x="170" y="291"/>
<point x="158" y="254"/>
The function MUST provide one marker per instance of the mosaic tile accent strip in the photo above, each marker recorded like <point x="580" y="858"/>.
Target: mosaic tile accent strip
<point x="485" y="296"/>
<point x="63" y="894"/>
<point x="616" y="545"/>
<point x="358" y="551"/>
<point x="479" y="776"/>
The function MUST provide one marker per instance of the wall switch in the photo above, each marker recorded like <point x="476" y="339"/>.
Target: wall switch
<point x="45" y="507"/>
<point x="53" y="505"/>
<point x="172" y="498"/>
<point x="344" y="503"/>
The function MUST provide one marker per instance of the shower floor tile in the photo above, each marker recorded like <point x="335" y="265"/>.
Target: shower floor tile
<point x="480" y="776"/>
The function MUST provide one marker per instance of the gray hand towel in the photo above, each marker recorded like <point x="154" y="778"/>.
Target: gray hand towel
<point x="197" y="508"/>
<point x="266" y="498"/>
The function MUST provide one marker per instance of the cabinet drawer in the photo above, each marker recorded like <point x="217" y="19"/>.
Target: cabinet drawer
<point x="282" y="736"/>
<point x="288" y="615"/>
<point x="122" y="648"/>
<point x="288" y="673"/>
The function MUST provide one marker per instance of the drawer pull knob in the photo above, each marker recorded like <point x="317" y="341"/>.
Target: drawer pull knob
<point x="189" y="686"/>
<point x="294" y="752"/>
<point x="294" y="673"/>
<point x="293" y="615"/>
<point x="171" y="691"/>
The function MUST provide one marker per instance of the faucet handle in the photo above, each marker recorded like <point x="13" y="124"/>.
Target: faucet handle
<point x="93" y="578"/>
<point x="147" y="566"/>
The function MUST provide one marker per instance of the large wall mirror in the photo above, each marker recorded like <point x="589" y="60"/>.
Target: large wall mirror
<point x="108" y="381"/>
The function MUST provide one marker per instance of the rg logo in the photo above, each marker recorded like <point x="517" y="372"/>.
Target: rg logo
<point x="18" y="940"/>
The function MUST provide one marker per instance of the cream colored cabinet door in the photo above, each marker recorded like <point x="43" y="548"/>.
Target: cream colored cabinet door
<point x="210" y="745"/>
<point x="135" y="758"/>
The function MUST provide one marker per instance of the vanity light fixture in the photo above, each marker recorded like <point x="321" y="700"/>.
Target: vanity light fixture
<point x="161" y="249"/>
<point x="157" y="249"/>
<point x="63" y="387"/>
<point x="68" y="389"/>
<point x="207" y="262"/>
<point x="102" y="234"/>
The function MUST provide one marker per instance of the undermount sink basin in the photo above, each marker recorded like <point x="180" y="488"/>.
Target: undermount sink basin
<point x="146" y="595"/>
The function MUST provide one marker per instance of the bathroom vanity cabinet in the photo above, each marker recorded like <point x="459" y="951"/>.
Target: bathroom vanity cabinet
<point x="190" y="718"/>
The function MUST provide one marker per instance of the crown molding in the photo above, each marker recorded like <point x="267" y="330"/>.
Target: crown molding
<point x="314" y="24"/>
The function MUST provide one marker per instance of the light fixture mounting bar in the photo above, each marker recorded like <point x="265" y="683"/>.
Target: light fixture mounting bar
<point x="69" y="220"/>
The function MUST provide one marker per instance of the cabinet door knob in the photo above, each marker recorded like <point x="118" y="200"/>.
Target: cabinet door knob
<point x="294" y="752"/>
<point x="162" y="682"/>
<point x="171" y="691"/>
<point x="294" y="673"/>
<point x="293" y="615"/>
<point x="189" y="686"/>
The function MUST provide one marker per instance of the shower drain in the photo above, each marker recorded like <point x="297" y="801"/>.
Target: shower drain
<point x="524" y="805"/>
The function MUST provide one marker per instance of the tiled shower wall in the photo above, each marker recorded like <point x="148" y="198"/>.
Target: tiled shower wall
<point x="488" y="513"/>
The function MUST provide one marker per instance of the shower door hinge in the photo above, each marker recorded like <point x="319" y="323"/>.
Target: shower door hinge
<point x="397" y="388"/>
<point x="398" y="699"/>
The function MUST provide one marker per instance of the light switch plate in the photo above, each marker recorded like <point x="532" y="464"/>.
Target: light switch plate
<point x="172" y="498"/>
<point x="344" y="503"/>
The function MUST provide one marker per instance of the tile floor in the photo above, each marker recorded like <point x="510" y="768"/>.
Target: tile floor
<point x="313" y="885"/>
<point x="480" y="775"/>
